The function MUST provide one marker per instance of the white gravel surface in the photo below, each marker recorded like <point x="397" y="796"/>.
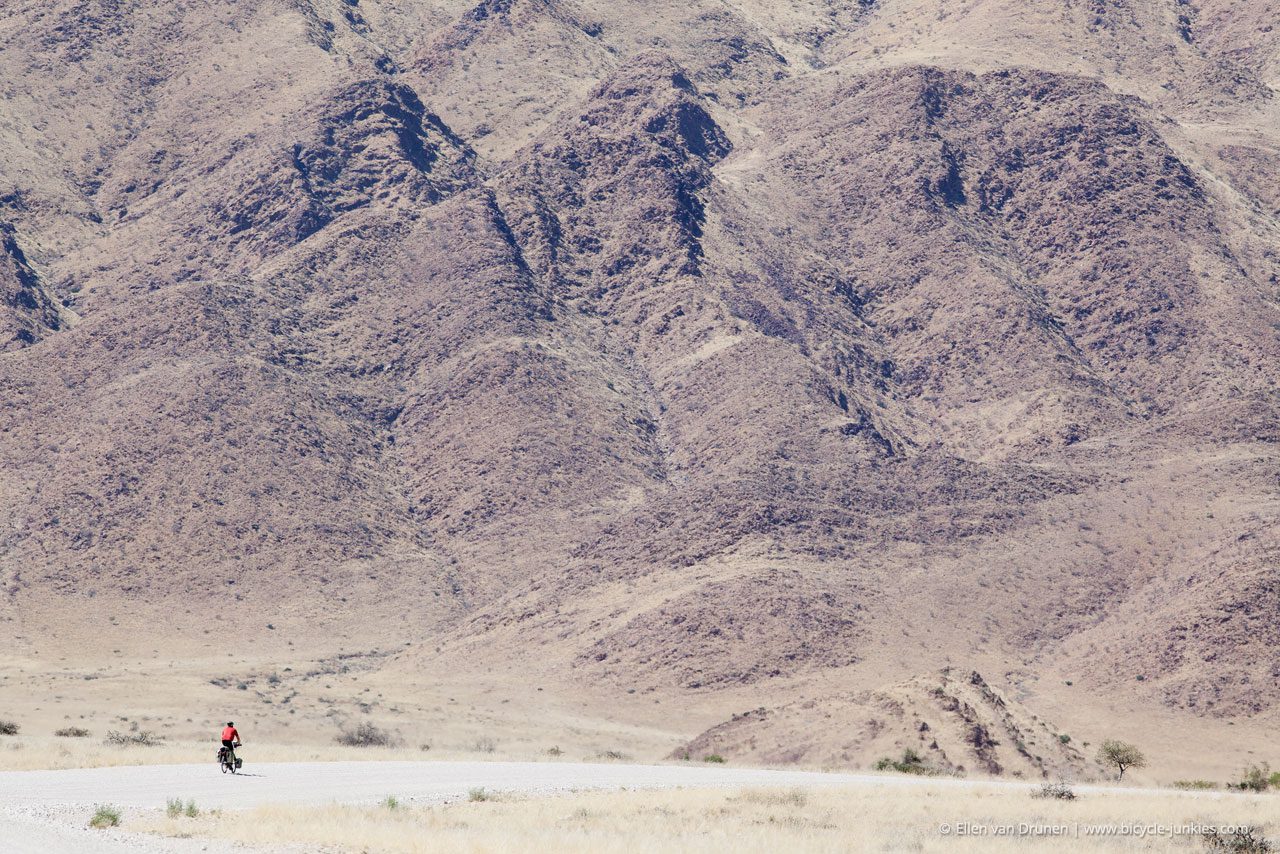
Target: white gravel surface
<point x="46" y="812"/>
<point x="321" y="782"/>
<point x="65" y="830"/>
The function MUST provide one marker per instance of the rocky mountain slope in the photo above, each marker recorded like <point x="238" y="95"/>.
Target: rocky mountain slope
<point x="744" y="349"/>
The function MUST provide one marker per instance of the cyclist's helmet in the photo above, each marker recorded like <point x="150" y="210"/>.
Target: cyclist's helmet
<point x="229" y="723"/>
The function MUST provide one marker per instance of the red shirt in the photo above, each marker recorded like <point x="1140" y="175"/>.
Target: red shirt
<point x="229" y="733"/>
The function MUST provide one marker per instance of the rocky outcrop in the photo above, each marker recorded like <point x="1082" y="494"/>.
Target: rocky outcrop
<point x="28" y="312"/>
<point x="953" y="720"/>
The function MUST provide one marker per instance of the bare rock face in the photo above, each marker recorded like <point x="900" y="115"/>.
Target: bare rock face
<point x="616" y="196"/>
<point x="1018" y="184"/>
<point x="685" y="349"/>
<point x="371" y="142"/>
<point x="29" y="312"/>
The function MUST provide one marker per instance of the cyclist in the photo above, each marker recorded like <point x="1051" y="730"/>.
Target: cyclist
<point x="230" y="741"/>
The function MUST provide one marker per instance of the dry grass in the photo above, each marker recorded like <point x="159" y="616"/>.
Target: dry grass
<point x="881" y="818"/>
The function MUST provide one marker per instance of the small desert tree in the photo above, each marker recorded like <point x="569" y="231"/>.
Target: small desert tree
<point x="1121" y="756"/>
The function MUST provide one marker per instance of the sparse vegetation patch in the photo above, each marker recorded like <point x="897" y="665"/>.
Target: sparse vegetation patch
<point x="911" y="762"/>
<point x="1255" y="778"/>
<point x="1245" y="840"/>
<point x="1060" y="791"/>
<point x="141" y="738"/>
<point x="365" y="734"/>
<point x="175" y="808"/>
<point x="105" y="816"/>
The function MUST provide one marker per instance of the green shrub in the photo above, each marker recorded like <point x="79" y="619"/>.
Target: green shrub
<point x="478" y="795"/>
<point x="174" y="807"/>
<point x="1064" y="738"/>
<point x="105" y="816"/>
<point x="715" y="758"/>
<point x="1256" y="778"/>
<point x="391" y="802"/>
<point x="910" y="763"/>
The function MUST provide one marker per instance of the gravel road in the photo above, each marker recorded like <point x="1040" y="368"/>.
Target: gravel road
<point x="45" y="812"/>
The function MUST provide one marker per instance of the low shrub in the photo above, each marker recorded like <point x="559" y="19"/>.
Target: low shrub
<point x="105" y="816"/>
<point x="714" y="758"/>
<point x="174" y="807"/>
<point x="910" y="763"/>
<point x="8" y="728"/>
<point x="479" y="795"/>
<point x="141" y="738"/>
<point x="1245" y="840"/>
<point x="1256" y="778"/>
<point x="365" y="734"/>
<point x="1056" y="791"/>
<point x="72" y="732"/>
